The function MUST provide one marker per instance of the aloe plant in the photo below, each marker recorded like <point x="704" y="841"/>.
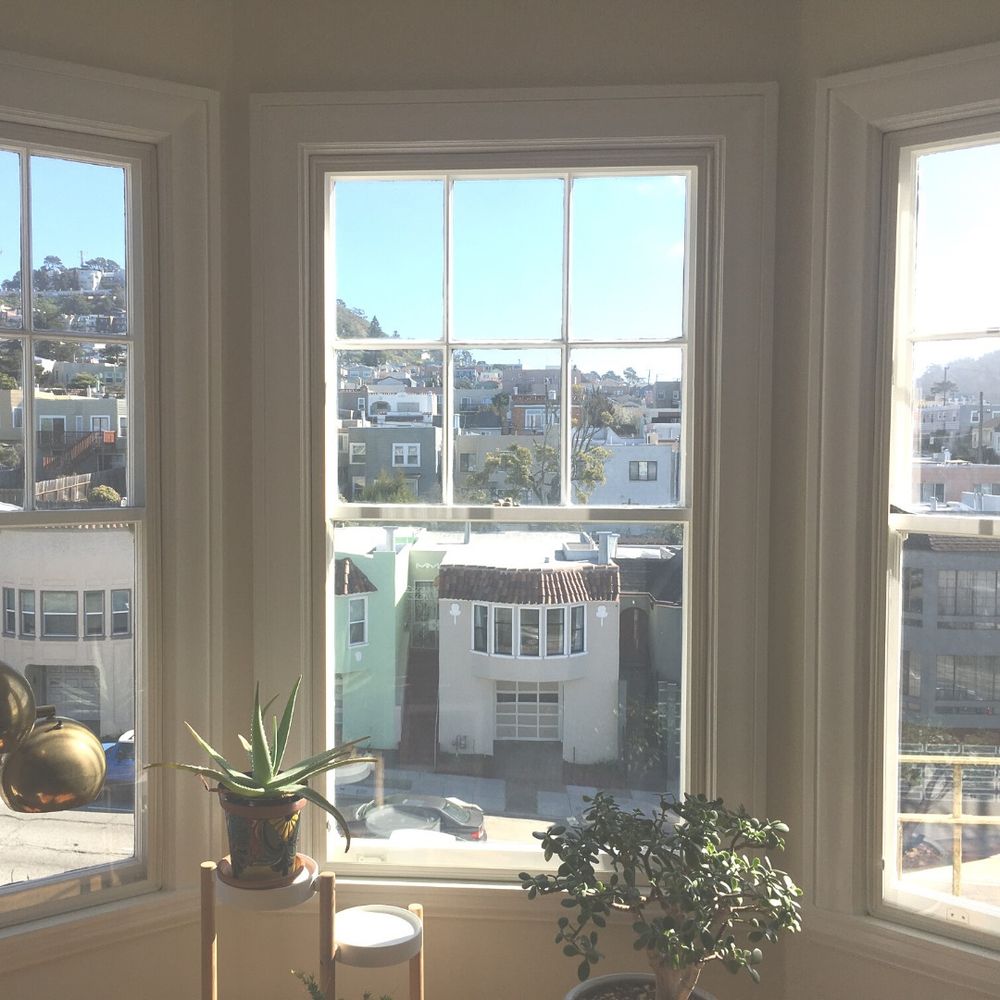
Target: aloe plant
<point x="265" y="779"/>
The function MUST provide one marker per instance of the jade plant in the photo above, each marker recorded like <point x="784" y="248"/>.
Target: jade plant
<point x="690" y="877"/>
<point x="315" y="993"/>
<point x="266" y="780"/>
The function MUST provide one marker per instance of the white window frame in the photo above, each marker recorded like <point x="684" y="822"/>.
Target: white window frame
<point x="514" y="637"/>
<point x="401" y="451"/>
<point x="858" y="116"/>
<point x="9" y="611"/>
<point x="357" y="451"/>
<point x="362" y="621"/>
<point x="80" y="106"/>
<point x="87" y="615"/>
<point x="727" y="132"/>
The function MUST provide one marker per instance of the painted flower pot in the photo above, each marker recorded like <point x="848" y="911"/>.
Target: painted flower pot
<point x="623" y="986"/>
<point x="263" y="839"/>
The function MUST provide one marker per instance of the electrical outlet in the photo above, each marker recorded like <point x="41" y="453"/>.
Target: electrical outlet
<point x="959" y="916"/>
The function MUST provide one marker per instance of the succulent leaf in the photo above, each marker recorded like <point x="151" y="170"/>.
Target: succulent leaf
<point x="263" y="771"/>
<point x="281" y="731"/>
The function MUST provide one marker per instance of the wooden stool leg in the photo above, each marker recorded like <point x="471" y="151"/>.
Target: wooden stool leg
<point x="327" y="946"/>
<point x="417" y="962"/>
<point x="209" y="946"/>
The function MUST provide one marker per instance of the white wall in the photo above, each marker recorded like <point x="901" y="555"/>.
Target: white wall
<point x="303" y="45"/>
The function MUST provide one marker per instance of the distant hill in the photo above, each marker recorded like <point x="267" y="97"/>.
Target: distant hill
<point x="354" y="323"/>
<point x="970" y="377"/>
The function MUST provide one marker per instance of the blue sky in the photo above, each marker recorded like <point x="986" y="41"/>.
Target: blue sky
<point x="75" y="206"/>
<point x="627" y="256"/>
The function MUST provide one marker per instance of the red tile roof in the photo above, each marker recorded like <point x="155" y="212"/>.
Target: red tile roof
<point x="348" y="579"/>
<point x="548" y="585"/>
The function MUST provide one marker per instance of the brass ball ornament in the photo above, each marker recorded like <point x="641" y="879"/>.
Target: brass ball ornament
<point x="59" y="765"/>
<point x="17" y="709"/>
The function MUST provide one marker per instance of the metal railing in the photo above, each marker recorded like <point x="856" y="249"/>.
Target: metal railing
<point x="957" y="819"/>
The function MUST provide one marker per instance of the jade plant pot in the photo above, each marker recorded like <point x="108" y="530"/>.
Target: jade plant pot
<point x="263" y="839"/>
<point x="623" y="986"/>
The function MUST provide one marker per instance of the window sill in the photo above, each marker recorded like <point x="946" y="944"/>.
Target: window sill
<point x="908" y="949"/>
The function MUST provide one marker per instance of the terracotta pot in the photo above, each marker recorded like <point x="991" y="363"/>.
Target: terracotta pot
<point x="623" y="986"/>
<point x="263" y="838"/>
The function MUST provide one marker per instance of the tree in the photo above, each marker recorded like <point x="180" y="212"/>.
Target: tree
<point x="10" y="457"/>
<point x="112" y="354"/>
<point x="531" y="472"/>
<point x="631" y="378"/>
<point x="375" y="329"/>
<point x="83" y="381"/>
<point x="387" y="489"/>
<point x="10" y="363"/>
<point x="104" y="264"/>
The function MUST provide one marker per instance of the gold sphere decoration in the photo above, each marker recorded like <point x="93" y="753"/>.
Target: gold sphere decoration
<point x="17" y="708"/>
<point x="60" y="765"/>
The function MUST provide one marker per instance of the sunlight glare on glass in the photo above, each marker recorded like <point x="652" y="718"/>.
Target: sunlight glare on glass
<point x="958" y="219"/>
<point x="507" y="259"/>
<point x="389" y="258"/>
<point x="627" y="257"/>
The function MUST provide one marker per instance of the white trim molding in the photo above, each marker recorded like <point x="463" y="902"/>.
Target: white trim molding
<point x="847" y="475"/>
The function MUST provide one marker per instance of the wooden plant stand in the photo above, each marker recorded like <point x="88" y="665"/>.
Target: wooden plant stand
<point x="370" y="936"/>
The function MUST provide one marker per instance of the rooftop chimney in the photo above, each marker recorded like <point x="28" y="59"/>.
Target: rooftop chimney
<point x="607" y="546"/>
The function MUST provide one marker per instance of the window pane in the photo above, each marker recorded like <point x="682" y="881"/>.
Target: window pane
<point x="958" y="217"/>
<point x="627" y="432"/>
<point x="949" y="720"/>
<point x="92" y="683"/>
<point x="121" y="612"/>
<point x="10" y="241"/>
<point x="81" y="420"/>
<point x="628" y="257"/>
<point x="389" y="258"/>
<point x="529" y="631"/>
<point x="93" y="613"/>
<point x="11" y="425"/>
<point x="507" y="259"/>
<point x="388" y="412"/>
<point x="78" y="279"/>
<point x="508" y="441"/>
<point x="523" y="728"/>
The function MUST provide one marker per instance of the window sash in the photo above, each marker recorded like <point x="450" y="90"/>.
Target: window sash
<point x="93" y="613"/>
<point x="27" y="598"/>
<point x="121" y="612"/>
<point x="60" y="614"/>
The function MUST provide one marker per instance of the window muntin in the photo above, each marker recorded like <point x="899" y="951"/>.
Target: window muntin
<point x="944" y="626"/>
<point x="542" y="421"/>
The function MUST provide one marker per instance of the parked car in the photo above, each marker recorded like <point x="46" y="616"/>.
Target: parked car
<point x="120" y="757"/>
<point x="462" y="820"/>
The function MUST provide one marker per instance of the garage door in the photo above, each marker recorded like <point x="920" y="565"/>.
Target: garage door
<point x="74" y="689"/>
<point x="527" y="710"/>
